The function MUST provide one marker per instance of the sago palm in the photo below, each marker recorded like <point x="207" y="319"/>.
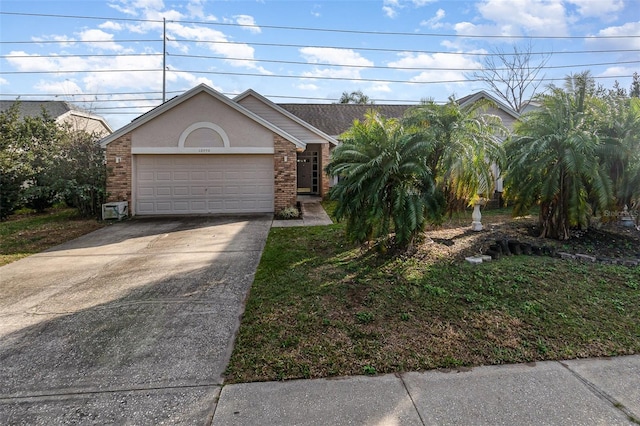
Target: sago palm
<point x="463" y="144"/>
<point x="553" y="162"/>
<point x="384" y="183"/>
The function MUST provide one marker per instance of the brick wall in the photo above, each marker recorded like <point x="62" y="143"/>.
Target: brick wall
<point x="324" y="178"/>
<point x="119" y="173"/>
<point x="285" y="173"/>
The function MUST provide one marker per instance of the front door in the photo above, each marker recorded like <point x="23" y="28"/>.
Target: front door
<point x="308" y="172"/>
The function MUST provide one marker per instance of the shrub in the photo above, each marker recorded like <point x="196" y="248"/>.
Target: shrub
<point x="288" y="213"/>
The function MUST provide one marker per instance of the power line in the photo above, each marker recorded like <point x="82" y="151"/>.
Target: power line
<point x="330" y="30"/>
<point x="83" y="55"/>
<point x="376" y="67"/>
<point x="80" y="71"/>
<point x="307" y="77"/>
<point x="388" y="68"/>
<point x="301" y="46"/>
<point x="135" y="40"/>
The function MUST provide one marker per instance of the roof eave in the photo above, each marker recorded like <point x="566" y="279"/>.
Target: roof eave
<point x="251" y="92"/>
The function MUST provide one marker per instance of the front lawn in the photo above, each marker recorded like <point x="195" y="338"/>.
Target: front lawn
<point x="25" y="234"/>
<point x="322" y="307"/>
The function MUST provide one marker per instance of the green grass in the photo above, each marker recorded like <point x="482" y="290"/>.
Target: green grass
<point x="321" y="307"/>
<point x="29" y="233"/>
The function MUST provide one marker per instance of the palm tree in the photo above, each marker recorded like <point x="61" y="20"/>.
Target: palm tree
<point x="463" y="142"/>
<point x="553" y="160"/>
<point x="384" y="184"/>
<point x="619" y="127"/>
<point x="355" y="97"/>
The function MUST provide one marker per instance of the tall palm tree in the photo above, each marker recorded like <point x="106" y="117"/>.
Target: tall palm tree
<point x="553" y="161"/>
<point x="384" y="184"/>
<point x="463" y="143"/>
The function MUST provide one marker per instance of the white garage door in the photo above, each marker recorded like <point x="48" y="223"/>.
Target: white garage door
<point x="197" y="184"/>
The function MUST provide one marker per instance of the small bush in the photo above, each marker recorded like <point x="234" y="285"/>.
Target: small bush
<point x="288" y="213"/>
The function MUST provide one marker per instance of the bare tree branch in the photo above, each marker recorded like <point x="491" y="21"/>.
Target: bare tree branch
<point x="513" y="77"/>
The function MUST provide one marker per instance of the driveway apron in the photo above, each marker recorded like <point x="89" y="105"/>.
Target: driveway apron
<point x="131" y="324"/>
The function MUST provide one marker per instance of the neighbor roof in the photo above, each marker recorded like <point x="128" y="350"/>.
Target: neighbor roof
<point x="58" y="110"/>
<point x="34" y="108"/>
<point x="284" y="112"/>
<point x="474" y="97"/>
<point x="335" y="119"/>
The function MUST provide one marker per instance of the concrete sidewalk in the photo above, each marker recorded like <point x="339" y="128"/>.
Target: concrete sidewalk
<point x="579" y="392"/>
<point x="313" y="214"/>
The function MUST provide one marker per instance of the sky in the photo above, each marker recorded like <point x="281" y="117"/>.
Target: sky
<point x="107" y="56"/>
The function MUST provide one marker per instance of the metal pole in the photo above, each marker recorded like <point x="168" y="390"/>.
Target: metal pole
<point x="164" y="60"/>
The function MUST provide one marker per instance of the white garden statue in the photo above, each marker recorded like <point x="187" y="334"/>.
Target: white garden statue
<point x="476" y="216"/>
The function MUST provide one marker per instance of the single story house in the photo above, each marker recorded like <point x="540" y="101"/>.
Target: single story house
<point x="204" y="153"/>
<point x="63" y="113"/>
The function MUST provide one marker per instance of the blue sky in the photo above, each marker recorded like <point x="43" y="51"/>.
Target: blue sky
<point x="395" y="51"/>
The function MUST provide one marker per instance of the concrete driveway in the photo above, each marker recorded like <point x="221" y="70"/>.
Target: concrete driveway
<point x="131" y="324"/>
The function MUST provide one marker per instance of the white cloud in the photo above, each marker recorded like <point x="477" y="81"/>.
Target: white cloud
<point x="604" y="9"/>
<point x="380" y="88"/>
<point x="391" y="7"/>
<point x="518" y="17"/>
<point x="622" y="31"/>
<point x="217" y="42"/>
<point x="434" y="22"/>
<point x="103" y="40"/>
<point x="248" y="23"/>
<point x="139" y="80"/>
<point x="110" y="25"/>
<point x="447" y="67"/>
<point x="65" y="87"/>
<point x="421" y="3"/>
<point x="341" y="73"/>
<point x="3" y="82"/>
<point x="335" y="56"/>
<point x="196" y="10"/>
<point x="307" y="86"/>
<point x="134" y="7"/>
<point x="65" y="41"/>
<point x="618" y="71"/>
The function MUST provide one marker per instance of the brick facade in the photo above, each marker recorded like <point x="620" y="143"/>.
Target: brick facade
<point x="285" y="173"/>
<point x="119" y="173"/>
<point x="324" y="178"/>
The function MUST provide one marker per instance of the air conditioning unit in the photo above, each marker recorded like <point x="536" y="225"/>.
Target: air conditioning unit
<point x="117" y="210"/>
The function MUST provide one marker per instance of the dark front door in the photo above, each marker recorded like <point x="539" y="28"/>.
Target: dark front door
<point x="308" y="172"/>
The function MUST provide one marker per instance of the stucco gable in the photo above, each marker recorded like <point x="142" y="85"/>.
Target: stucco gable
<point x="222" y="112"/>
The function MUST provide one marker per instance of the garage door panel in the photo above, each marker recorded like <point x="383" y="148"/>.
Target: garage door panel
<point x="163" y="190"/>
<point x="197" y="184"/>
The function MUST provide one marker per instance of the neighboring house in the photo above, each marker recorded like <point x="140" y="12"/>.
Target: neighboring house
<point x="63" y="113"/>
<point x="204" y="153"/>
<point x="506" y="113"/>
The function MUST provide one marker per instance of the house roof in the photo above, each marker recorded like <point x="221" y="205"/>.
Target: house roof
<point x="474" y="97"/>
<point x="284" y="112"/>
<point x="335" y="119"/>
<point x="177" y="100"/>
<point x="58" y="110"/>
<point x="34" y="108"/>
